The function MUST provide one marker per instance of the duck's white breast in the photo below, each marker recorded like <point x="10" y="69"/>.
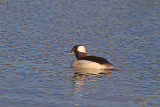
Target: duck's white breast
<point x="87" y="64"/>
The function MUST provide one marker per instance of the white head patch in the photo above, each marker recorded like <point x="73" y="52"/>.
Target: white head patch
<point x="81" y="49"/>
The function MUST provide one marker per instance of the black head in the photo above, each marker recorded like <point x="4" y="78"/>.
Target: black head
<point x="77" y="49"/>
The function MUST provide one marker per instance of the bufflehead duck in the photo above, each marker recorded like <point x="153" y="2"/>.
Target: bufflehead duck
<point x="91" y="62"/>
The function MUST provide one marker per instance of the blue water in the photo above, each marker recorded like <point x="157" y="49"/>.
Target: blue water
<point x="35" y="70"/>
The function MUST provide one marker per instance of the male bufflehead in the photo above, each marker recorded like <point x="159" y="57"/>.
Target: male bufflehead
<point x="91" y="62"/>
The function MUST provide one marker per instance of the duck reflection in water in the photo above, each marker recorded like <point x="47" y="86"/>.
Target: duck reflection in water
<point x="87" y="75"/>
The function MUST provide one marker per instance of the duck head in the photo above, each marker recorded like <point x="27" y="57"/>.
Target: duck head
<point x="79" y="51"/>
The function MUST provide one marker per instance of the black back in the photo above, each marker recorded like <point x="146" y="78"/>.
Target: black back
<point x="95" y="59"/>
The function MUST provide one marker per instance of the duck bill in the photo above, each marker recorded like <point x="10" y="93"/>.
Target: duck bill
<point x="69" y="52"/>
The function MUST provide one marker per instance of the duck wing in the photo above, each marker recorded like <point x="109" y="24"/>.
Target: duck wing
<point x="96" y="59"/>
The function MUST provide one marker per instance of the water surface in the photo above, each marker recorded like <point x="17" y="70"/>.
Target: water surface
<point x="35" y="71"/>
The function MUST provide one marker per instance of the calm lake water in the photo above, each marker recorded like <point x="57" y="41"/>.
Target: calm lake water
<point x="35" y="70"/>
